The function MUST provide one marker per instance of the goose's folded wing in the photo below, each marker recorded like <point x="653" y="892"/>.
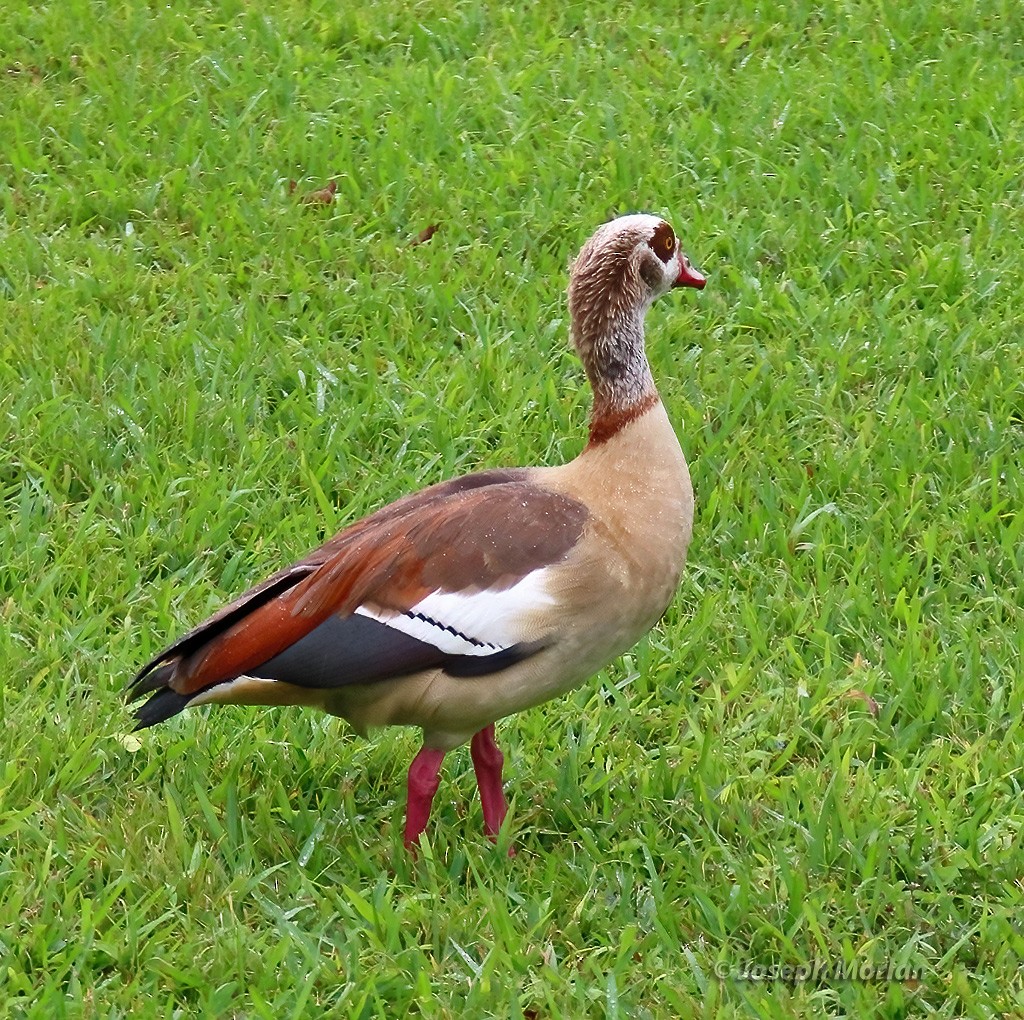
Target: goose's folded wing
<point x="453" y="576"/>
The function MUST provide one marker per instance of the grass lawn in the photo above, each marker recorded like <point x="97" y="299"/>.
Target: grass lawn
<point x="802" y="795"/>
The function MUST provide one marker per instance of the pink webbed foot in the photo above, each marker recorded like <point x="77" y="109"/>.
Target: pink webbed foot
<point x="487" y="763"/>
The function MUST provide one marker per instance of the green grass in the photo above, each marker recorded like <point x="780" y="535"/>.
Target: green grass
<point x="201" y="377"/>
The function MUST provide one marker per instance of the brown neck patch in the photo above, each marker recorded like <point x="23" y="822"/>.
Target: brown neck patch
<point x="607" y="422"/>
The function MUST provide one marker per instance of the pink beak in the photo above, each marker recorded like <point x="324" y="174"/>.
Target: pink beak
<point x="690" y="277"/>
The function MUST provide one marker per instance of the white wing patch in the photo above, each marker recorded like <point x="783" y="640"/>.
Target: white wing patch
<point x="480" y="623"/>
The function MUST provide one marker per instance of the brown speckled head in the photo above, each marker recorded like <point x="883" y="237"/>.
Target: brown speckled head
<point x="625" y="266"/>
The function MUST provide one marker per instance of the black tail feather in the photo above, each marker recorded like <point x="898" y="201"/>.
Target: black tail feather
<point x="150" y="679"/>
<point x="164" y="704"/>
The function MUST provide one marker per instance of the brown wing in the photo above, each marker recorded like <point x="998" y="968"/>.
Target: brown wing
<point x="480" y="532"/>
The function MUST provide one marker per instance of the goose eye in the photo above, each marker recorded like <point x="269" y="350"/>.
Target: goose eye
<point x="663" y="242"/>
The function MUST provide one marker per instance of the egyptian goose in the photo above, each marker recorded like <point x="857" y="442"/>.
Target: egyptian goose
<point x="484" y="595"/>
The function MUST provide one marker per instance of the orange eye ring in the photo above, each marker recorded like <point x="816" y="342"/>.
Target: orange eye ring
<point x="663" y="242"/>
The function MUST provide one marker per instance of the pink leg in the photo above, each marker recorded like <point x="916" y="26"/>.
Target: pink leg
<point x="487" y="761"/>
<point x="423" y="783"/>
